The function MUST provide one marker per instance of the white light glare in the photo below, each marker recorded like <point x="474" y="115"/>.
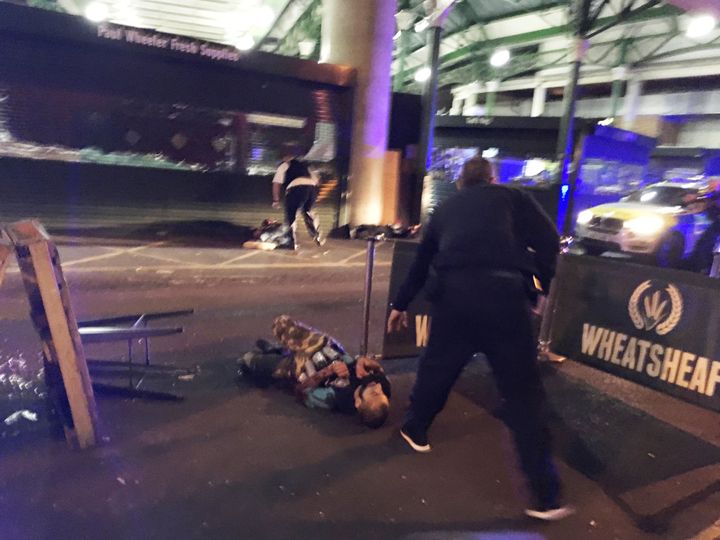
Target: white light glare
<point x="264" y="16"/>
<point x="490" y="153"/>
<point x="306" y="47"/>
<point x="700" y="25"/>
<point x="533" y="167"/>
<point x="97" y="12"/>
<point x="584" y="217"/>
<point x="423" y="74"/>
<point x="421" y="26"/>
<point x="649" y="196"/>
<point x="500" y="57"/>
<point x="245" y="43"/>
<point x="645" y="225"/>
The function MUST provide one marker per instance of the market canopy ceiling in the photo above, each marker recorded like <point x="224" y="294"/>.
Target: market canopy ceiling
<point x="650" y="38"/>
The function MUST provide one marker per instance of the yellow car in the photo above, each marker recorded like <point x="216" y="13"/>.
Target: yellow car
<point x="662" y="221"/>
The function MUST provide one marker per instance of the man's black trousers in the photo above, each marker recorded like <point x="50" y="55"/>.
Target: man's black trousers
<point x="483" y="311"/>
<point x="302" y="199"/>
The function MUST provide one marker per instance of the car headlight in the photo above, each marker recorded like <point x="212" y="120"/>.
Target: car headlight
<point x="584" y="217"/>
<point x="646" y="225"/>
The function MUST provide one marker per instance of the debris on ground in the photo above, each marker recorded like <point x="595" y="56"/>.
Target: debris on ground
<point x="365" y="232"/>
<point x="17" y="415"/>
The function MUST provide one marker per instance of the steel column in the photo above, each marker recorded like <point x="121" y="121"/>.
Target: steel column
<point x="427" y="127"/>
<point x="566" y="137"/>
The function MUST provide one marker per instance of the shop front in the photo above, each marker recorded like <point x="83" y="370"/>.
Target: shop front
<point x="99" y="117"/>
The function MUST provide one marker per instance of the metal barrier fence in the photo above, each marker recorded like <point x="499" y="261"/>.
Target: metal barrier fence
<point x="655" y="326"/>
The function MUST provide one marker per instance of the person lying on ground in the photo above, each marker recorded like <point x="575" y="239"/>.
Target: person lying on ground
<point x="320" y="372"/>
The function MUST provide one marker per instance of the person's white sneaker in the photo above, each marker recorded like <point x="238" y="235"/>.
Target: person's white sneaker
<point x="417" y="442"/>
<point x="551" y="514"/>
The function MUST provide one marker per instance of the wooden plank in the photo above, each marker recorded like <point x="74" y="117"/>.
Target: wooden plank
<point x="69" y="351"/>
<point x="5" y="252"/>
<point x="55" y="321"/>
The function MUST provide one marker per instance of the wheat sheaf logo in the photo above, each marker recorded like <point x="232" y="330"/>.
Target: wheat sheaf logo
<point x="655" y="308"/>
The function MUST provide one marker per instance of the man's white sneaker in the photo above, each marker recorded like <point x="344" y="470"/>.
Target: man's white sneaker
<point x="551" y="514"/>
<point x="418" y="443"/>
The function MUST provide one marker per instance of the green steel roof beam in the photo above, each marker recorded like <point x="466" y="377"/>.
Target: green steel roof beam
<point x="710" y="45"/>
<point x="536" y="36"/>
<point x="279" y="17"/>
<point x="482" y="21"/>
<point x="625" y="15"/>
<point x="300" y="24"/>
<point x="557" y="56"/>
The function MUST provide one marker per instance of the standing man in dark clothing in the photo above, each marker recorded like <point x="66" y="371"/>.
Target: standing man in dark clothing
<point x="301" y="191"/>
<point x="485" y="244"/>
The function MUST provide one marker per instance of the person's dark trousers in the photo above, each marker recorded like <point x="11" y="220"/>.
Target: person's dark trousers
<point x="482" y="311"/>
<point x="260" y="367"/>
<point x="302" y="199"/>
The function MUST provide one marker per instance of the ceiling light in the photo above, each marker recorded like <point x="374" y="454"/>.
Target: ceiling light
<point x="700" y="25"/>
<point x="500" y="57"/>
<point x="423" y="74"/>
<point x="245" y="43"/>
<point x="97" y="12"/>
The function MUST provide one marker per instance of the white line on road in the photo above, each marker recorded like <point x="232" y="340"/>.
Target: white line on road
<point x="351" y="257"/>
<point x="244" y="256"/>
<point x="115" y="253"/>
<point x="187" y="264"/>
<point x="283" y="266"/>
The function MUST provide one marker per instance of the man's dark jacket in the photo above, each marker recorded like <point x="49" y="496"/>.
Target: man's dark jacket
<point x="485" y="227"/>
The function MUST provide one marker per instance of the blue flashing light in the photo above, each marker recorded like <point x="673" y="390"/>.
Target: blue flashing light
<point x="564" y="190"/>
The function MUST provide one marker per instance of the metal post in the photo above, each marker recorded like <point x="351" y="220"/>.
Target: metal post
<point x="566" y="137"/>
<point x="546" y="323"/>
<point x="402" y="61"/>
<point x="619" y="74"/>
<point x="616" y="91"/>
<point x="369" y="267"/>
<point x="427" y="127"/>
<point x="490" y="97"/>
<point x="715" y="269"/>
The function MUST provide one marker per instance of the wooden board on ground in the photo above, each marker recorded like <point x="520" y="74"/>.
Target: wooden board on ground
<point x="55" y="321"/>
<point x="5" y="252"/>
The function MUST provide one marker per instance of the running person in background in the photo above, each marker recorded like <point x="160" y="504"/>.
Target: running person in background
<point x="301" y="190"/>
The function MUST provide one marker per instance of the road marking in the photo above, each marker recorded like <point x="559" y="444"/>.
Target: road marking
<point x="351" y="257"/>
<point x="244" y="256"/>
<point x="94" y="258"/>
<point x="115" y="253"/>
<point x="271" y="266"/>
<point x="187" y="264"/>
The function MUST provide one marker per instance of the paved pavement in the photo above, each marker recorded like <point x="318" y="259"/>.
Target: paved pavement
<point x="232" y="461"/>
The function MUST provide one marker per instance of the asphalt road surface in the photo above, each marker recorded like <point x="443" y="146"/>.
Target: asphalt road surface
<point x="233" y="461"/>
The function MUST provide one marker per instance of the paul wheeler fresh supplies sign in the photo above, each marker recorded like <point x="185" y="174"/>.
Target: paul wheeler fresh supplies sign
<point x="663" y="332"/>
<point x="145" y="38"/>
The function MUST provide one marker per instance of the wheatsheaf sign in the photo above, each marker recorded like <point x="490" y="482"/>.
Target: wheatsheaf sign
<point x="658" y="327"/>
